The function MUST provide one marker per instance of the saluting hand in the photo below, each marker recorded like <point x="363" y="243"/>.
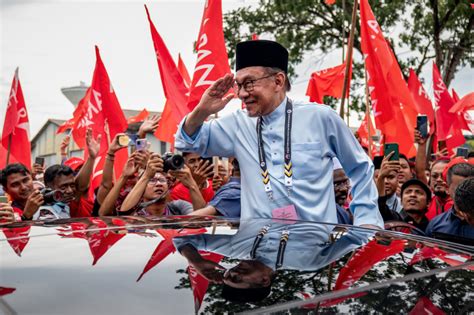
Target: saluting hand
<point x="215" y="98"/>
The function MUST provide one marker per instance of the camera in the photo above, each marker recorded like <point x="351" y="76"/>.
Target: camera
<point x="172" y="162"/>
<point x="51" y="196"/>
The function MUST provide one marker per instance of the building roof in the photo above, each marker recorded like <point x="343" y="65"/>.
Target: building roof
<point x="58" y="122"/>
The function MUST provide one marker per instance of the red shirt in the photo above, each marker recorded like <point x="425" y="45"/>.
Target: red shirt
<point x="81" y="208"/>
<point x="438" y="206"/>
<point x="180" y="192"/>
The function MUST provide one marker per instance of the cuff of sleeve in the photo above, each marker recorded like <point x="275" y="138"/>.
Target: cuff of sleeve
<point x="188" y="138"/>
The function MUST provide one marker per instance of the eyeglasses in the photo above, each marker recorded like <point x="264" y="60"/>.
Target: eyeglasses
<point x="248" y="85"/>
<point x="156" y="180"/>
<point x="342" y="184"/>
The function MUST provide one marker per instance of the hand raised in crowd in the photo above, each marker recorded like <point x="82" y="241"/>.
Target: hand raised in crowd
<point x="93" y="145"/>
<point x="185" y="176"/>
<point x="34" y="201"/>
<point x="37" y="171"/>
<point x="419" y="139"/>
<point x="155" y="164"/>
<point x="115" y="146"/>
<point x="215" y="98"/>
<point x="149" y="125"/>
<point x="64" y="145"/>
<point x="442" y="153"/>
<point x="141" y="158"/>
<point x="203" y="172"/>
<point x="7" y="215"/>
<point x="219" y="179"/>
<point x="130" y="168"/>
<point x="388" y="166"/>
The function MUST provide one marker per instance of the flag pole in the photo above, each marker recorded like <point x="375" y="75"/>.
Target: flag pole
<point x="107" y="133"/>
<point x="367" y="113"/>
<point x="9" y="148"/>
<point x="348" y="57"/>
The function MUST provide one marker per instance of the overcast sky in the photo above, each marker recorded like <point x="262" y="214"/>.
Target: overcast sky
<point x="53" y="44"/>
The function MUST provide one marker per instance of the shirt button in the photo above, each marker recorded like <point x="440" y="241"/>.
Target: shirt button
<point x="271" y="128"/>
<point x="274" y="153"/>
<point x="273" y="141"/>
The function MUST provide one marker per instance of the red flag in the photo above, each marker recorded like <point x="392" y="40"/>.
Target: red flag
<point x="68" y="124"/>
<point x="184" y="72"/>
<point x="394" y="109"/>
<point x="456" y="97"/>
<point x="101" y="241"/>
<point x="464" y="104"/>
<point x="363" y="260"/>
<point x="166" y="247"/>
<point x="254" y="36"/>
<point x="448" y="125"/>
<point x="199" y="284"/>
<point x="363" y="133"/>
<point x="16" y="128"/>
<point x="329" y="2"/>
<point x="100" y="110"/>
<point x="168" y="124"/>
<point x="327" y="82"/>
<point x="212" y="61"/>
<point x="422" y="100"/>
<point x="425" y="306"/>
<point x="5" y="290"/>
<point x="17" y="238"/>
<point x="141" y="116"/>
<point x="173" y="84"/>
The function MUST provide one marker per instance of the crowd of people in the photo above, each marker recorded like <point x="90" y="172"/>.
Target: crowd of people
<point x="325" y="174"/>
<point x="436" y="198"/>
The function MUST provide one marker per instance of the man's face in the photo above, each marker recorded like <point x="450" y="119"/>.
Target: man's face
<point x="414" y="199"/>
<point x="192" y="161"/>
<point x="67" y="185"/>
<point x="19" y="186"/>
<point x="247" y="274"/>
<point x="404" y="173"/>
<point x="157" y="187"/>
<point x="391" y="183"/>
<point x="261" y="100"/>
<point x="437" y="184"/>
<point x="341" y="186"/>
<point x="454" y="183"/>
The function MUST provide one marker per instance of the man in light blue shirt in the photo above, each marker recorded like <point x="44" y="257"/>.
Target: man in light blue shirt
<point x="286" y="163"/>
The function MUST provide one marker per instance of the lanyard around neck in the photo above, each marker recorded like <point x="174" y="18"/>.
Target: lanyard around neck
<point x="287" y="152"/>
<point x="285" y="234"/>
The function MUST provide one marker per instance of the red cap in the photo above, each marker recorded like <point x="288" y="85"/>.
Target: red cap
<point x="456" y="160"/>
<point x="74" y="163"/>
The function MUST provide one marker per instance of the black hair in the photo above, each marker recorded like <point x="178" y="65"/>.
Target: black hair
<point x="12" y="169"/>
<point x="54" y="171"/>
<point x="235" y="165"/>
<point x="461" y="169"/>
<point x="464" y="196"/>
<point x="275" y="70"/>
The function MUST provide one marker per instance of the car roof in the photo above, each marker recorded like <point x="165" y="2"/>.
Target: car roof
<point x="130" y="264"/>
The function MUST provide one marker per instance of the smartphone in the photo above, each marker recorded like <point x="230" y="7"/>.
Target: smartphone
<point x="3" y="199"/>
<point x="422" y="125"/>
<point x="391" y="147"/>
<point x="462" y="152"/>
<point x="123" y="140"/>
<point x="441" y="145"/>
<point x="39" y="160"/>
<point x="141" y="144"/>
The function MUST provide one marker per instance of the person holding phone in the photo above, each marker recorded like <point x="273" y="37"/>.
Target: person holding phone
<point x="387" y="184"/>
<point x="284" y="148"/>
<point x="17" y="182"/>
